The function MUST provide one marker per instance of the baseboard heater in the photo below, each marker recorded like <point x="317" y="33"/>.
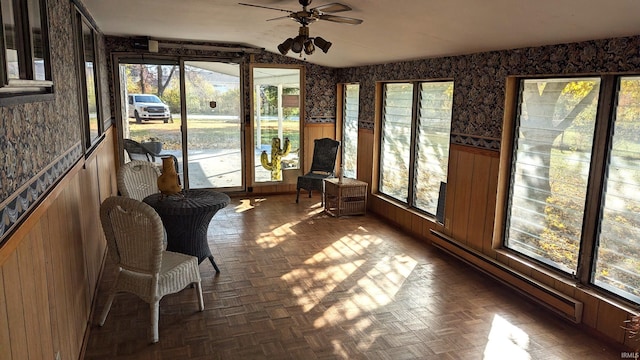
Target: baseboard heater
<point x="559" y="303"/>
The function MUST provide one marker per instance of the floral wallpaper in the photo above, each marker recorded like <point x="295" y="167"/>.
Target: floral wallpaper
<point x="34" y="134"/>
<point x="40" y="141"/>
<point x="479" y="80"/>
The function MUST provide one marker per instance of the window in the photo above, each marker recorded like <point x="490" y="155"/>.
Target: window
<point x="25" y="55"/>
<point x="92" y="123"/>
<point x="350" y="130"/>
<point x="276" y="121"/>
<point x="414" y="148"/>
<point x="618" y="244"/>
<point x="574" y="193"/>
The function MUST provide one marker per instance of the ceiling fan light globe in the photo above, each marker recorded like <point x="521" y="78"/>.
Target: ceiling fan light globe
<point x="285" y="46"/>
<point x="323" y="44"/>
<point x="308" y="47"/>
<point x="298" y="44"/>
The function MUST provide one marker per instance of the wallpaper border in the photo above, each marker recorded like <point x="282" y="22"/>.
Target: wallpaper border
<point x="18" y="205"/>
<point x="476" y="141"/>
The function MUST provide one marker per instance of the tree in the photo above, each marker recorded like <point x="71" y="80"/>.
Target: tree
<point x="164" y="80"/>
<point x="550" y="110"/>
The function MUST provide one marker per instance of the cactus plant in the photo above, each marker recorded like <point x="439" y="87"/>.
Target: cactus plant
<point x="275" y="166"/>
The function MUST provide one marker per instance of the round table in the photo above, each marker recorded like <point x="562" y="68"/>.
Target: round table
<point x="186" y="218"/>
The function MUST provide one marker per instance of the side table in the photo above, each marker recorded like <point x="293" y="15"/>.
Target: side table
<point x="186" y="218"/>
<point x="346" y="197"/>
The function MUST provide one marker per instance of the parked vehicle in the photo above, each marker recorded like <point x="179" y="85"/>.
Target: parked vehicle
<point x="147" y="107"/>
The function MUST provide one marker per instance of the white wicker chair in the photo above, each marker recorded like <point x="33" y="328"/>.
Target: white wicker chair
<point x="138" y="179"/>
<point x="134" y="235"/>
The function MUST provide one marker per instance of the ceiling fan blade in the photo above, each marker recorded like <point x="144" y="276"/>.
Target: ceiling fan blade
<point x="281" y="17"/>
<point x="264" y="7"/>
<point x="340" y="19"/>
<point x="332" y="8"/>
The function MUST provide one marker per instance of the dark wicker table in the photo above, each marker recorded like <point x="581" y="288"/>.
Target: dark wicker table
<point x="186" y="218"/>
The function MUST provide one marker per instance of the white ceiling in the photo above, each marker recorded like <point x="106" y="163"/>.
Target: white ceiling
<point x="393" y="30"/>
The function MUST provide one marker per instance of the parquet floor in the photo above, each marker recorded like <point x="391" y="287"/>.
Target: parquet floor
<point x="298" y="284"/>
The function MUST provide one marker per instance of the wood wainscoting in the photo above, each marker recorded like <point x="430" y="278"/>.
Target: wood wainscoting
<point x="50" y="266"/>
<point x="471" y="197"/>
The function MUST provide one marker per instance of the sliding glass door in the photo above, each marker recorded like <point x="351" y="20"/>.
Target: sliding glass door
<point x="213" y="127"/>
<point x="190" y="110"/>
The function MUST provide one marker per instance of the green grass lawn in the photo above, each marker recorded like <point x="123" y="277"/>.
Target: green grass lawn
<point x="208" y="133"/>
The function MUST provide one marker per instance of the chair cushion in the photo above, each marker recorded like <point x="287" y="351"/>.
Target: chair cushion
<point x="311" y="181"/>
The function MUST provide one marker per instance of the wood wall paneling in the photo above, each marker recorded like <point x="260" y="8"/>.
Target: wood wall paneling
<point x="35" y="302"/>
<point x="15" y="318"/>
<point x="5" y="339"/>
<point x="365" y="157"/>
<point x="63" y="264"/>
<point x="93" y="241"/>
<point x="590" y="308"/>
<point x="451" y="192"/>
<point x="71" y="241"/>
<point x="461" y="201"/>
<point x="490" y="215"/>
<point x="107" y="161"/>
<point x="49" y="271"/>
<point x="610" y="321"/>
<point x="58" y="283"/>
<point x="478" y="210"/>
<point x="40" y="270"/>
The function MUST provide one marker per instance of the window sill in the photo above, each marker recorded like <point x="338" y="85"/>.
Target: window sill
<point x="7" y="99"/>
<point x="410" y="210"/>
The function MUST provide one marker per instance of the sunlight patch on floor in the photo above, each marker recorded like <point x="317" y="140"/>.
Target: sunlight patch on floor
<point x="276" y="236"/>
<point x="506" y="341"/>
<point x="375" y="289"/>
<point x="248" y="204"/>
<point x="245" y="204"/>
<point x="359" y="243"/>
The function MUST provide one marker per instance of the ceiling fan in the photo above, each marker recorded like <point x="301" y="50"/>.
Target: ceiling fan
<point x="305" y="17"/>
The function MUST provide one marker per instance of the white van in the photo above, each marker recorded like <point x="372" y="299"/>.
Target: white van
<point x="147" y="107"/>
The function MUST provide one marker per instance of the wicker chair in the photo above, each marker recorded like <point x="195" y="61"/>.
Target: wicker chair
<point x="134" y="238"/>
<point x="149" y="151"/>
<point x="138" y="151"/>
<point x="325" y="151"/>
<point x="138" y="179"/>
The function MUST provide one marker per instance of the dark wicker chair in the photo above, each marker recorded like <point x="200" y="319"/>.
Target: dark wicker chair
<point x="138" y="151"/>
<point x="147" y="151"/>
<point x="323" y="166"/>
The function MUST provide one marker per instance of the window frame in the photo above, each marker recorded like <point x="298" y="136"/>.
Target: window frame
<point x="26" y="87"/>
<point x="592" y="219"/>
<point x="340" y="129"/>
<point x="80" y="19"/>
<point x="411" y="200"/>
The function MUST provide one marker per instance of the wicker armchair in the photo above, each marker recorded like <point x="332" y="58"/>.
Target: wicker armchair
<point x="323" y="166"/>
<point x="138" y="179"/>
<point x="134" y="238"/>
